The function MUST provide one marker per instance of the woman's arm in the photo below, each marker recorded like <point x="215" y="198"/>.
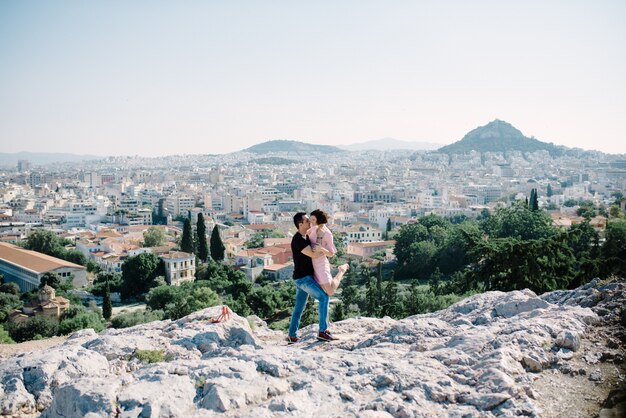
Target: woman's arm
<point x="325" y="241"/>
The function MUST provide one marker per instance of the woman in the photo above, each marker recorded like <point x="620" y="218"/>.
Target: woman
<point x="322" y="240"/>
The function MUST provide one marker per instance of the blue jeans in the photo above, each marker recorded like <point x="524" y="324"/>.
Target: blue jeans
<point x="304" y="287"/>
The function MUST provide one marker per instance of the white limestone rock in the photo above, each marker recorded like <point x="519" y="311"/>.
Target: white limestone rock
<point x="477" y="358"/>
<point x="94" y="397"/>
<point x="568" y="339"/>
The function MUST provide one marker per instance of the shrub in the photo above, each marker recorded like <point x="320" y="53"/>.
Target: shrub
<point x="5" y="338"/>
<point x="81" y="321"/>
<point x="37" y="326"/>
<point x="150" y="356"/>
<point x="130" y="319"/>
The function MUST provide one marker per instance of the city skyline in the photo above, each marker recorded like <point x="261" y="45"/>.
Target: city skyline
<point x="160" y="79"/>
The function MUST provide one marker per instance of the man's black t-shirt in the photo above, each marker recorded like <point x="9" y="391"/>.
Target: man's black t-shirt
<point x="303" y="266"/>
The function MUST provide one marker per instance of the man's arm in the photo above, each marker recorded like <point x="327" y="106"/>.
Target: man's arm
<point x="324" y="251"/>
<point x="308" y="251"/>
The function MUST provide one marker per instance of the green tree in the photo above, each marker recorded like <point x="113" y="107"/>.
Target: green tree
<point x="46" y="242"/>
<point x="51" y="279"/>
<point x="586" y="212"/>
<point x="518" y="221"/>
<point x="36" y="327"/>
<point x="104" y="279"/>
<point x="387" y="230"/>
<point x="615" y="211"/>
<point x="549" y="191"/>
<point x="10" y="288"/>
<point x="583" y="240"/>
<point x="179" y="301"/>
<point x="309" y="316"/>
<point x="186" y="242"/>
<point x="373" y="296"/>
<point x="413" y="304"/>
<point x="153" y="237"/>
<point x="5" y="338"/>
<point x="107" y="306"/>
<point x="217" y="246"/>
<point x="340" y="245"/>
<point x="534" y="200"/>
<point x="87" y="319"/>
<point x="74" y="256"/>
<point x="350" y="292"/>
<point x="138" y="274"/>
<point x="93" y="267"/>
<point x="8" y="303"/>
<point x="391" y="303"/>
<point x="262" y="301"/>
<point x="338" y="312"/>
<point x="512" y="264"/>
<point x="255" y="241"/>
<point x="614" y="248"/>
<point x="406" y="239"/>
<point x="201" y="239"/>
<point x="435" y="282"/>
<point x="484" y="215"/>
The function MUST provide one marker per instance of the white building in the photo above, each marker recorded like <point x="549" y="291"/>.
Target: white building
<point x="178" y="205"/>
<point x="179" y="267"/>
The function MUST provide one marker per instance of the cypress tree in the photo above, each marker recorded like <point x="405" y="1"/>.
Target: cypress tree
<point x="390" y="301"/>
<point x="203" y="248"/>
<point x="107" y="307"/>
<point x="534" y="200"/>
<point x="186" y="242"/>
<point x="217" y="246"/>
<point x="372" y="304"/>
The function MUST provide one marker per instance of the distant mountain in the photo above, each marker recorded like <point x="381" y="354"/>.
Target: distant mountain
<point x="292" y="147"/>
<point x="41" y="158"/>
<point x="387" y="144"/>
<point x="499" y="136"/>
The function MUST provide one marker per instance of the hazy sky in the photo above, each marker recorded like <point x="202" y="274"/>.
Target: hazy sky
<point x="172" y="77"/>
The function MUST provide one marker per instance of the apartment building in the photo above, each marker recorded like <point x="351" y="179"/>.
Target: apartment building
<point x="179" y="267"/>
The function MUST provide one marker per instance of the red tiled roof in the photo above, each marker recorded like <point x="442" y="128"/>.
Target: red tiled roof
<point x="33" y="260"/>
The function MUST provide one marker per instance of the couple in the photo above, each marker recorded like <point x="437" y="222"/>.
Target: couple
<point x="311" y="246"/>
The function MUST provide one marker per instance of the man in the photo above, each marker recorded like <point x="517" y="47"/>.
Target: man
<point x="304" y="281"/>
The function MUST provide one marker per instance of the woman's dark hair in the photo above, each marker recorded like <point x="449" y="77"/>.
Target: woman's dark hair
<point x="320" y="216"/>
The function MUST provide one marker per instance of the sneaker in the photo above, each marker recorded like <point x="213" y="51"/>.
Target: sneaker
<point x="292" y="340"/>
<point x="326" y="336"/>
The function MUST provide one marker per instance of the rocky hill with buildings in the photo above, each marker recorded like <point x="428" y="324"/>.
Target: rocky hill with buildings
<point x="493" y="354"/>
<point x="499" y="136"/>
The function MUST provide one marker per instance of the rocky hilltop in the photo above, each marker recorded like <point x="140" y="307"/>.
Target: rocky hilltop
<point x="493" y="354"/>
<point x="499" y="136"/>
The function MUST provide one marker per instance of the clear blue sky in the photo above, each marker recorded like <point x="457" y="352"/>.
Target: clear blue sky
<point x="167" y="77"/>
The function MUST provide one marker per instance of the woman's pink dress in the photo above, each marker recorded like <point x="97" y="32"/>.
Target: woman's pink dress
<point x="321" y="265"/>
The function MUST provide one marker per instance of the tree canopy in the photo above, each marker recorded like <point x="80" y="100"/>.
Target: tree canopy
<point x="138" y="274"/>
<point x="217" y="246"/>
<point x="201" y="239"/>
<point x="153" y="237"/>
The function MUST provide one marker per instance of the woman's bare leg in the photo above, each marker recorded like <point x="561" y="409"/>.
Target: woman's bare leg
<point x="328" y="288"/>
<point x="336" y="281"/>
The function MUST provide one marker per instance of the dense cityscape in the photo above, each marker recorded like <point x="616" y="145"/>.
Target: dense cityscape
<point x="105" y="213"/>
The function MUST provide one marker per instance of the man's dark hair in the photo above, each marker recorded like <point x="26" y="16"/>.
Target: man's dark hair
<point x="320" y="216"/>
<point x="298" y="218"/>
